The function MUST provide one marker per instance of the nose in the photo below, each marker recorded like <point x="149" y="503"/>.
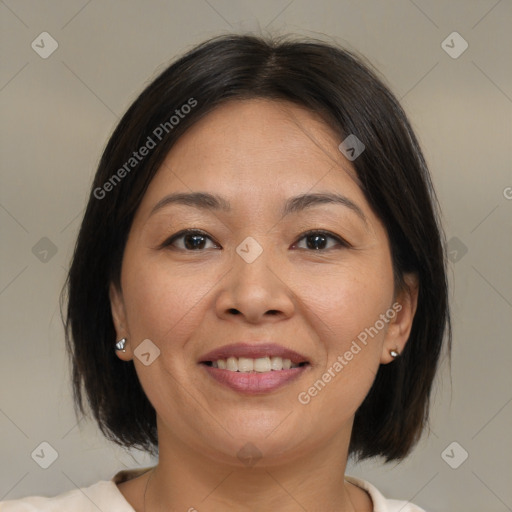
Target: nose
<point x="255" y="292"/>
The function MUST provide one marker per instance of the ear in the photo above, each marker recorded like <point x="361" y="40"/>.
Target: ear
<point x="406" y="302"/>
<point x="119" y="318"/>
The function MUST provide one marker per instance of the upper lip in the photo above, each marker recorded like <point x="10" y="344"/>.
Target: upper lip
<point x="253" y="351"/>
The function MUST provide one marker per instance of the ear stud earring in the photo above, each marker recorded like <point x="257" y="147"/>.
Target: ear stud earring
<point x="120" y="345"/>
<point x="394" y="353"/>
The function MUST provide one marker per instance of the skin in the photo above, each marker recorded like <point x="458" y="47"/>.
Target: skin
<point x="256" y="154"/>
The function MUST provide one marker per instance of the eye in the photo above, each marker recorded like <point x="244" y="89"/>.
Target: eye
<point x="318" y="240"/>
<point x="190" y="240"/>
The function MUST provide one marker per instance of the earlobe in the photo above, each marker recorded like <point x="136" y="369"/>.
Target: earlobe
<point x="405" y="305"/>
<point x="122" y="350"/>
<point x="121" y="345"/>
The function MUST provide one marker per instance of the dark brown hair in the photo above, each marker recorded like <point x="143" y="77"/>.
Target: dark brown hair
<point x="394" y="178"/>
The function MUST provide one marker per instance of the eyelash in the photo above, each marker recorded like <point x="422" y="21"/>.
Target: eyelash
<point x="181" y="234"/>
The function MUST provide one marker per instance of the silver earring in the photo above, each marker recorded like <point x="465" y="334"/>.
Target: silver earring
<point x="120" y="345"/>
<point x="394" y="353"/>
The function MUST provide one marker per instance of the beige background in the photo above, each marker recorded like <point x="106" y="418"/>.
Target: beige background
<point x="59" y="111"/>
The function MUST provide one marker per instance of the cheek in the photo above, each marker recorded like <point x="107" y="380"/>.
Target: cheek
<point x="345" y="313"/>
<point x="162" y="304"/>
<point x="344" y="303"/>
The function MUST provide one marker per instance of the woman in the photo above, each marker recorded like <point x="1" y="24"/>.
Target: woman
<point x="258" y="289"/>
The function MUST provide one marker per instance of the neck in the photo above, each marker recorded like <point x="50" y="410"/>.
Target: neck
<point x="188" y="480"/>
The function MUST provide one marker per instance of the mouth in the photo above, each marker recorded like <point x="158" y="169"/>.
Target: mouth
<point x="259" y="365"/>
<point x="254" y="369"/>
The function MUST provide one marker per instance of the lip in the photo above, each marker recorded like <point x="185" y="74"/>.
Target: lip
<point x="255" y="383"/>
<point x="253" y="351"/>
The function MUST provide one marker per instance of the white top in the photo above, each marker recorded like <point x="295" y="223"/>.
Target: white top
<point x="106" y="496"/>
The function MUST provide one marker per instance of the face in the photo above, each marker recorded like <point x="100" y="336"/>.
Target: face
<point x="279" y="262"/>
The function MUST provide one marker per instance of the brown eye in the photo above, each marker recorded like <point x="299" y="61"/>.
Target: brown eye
<point x="191" y="240"/>
<point x="320" y="240"/>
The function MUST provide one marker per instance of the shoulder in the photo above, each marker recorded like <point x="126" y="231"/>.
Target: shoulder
<point x="380" y="503"/>
<point x="102" y="495"/>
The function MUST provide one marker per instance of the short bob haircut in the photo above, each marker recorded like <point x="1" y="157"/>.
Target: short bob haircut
<point x="333" y="83"/>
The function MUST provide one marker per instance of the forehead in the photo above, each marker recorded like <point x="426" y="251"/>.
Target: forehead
<point x="257" y="149"/>
<point x="262" y="131"/>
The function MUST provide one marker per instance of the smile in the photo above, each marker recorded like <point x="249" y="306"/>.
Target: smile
<point x="254" y="368"/>
<point x="259" y="365"/>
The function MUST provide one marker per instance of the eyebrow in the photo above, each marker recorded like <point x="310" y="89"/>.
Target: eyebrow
<point x="295" y="204"/>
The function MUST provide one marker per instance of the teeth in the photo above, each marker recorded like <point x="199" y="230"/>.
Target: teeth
<point x="232" y="364"/>
<point x="245" y="364"/>
<point x="259" y="365"/>
<point x="276" y="363"/>
<point x="262" y="364"/>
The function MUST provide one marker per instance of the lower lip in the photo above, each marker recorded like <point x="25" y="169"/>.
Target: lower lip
<point x="254" y="383"/>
